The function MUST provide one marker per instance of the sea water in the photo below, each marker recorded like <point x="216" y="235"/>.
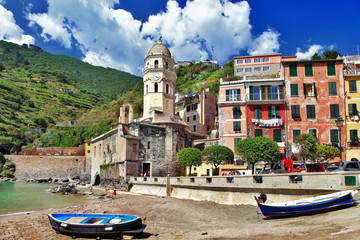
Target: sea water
<point x="18" y="197"/>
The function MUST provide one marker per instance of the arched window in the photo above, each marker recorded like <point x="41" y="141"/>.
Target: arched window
<point x="167" y="65"/>
<point x="147" y="89"/>
<point x="156" y="63"/>
<point x="167" y="88"/>
<point x="155" y="87"/>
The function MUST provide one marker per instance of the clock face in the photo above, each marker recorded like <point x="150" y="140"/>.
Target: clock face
<point x="156" y="76"/>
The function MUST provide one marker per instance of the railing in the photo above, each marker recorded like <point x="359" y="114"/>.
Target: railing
<point x="241" y="98"/>
<point x="160" y="67"/>
<point x="231" y="98"/>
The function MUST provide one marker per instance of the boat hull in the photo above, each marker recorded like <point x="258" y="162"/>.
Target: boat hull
<point x="132" y="226"/>
<point x="271" y="211"/>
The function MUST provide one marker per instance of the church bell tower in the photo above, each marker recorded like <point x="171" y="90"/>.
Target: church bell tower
<point x="159" y="78"/>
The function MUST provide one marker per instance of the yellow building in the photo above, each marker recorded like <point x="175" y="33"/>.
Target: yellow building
<point x="205" y="169"/>
<point x="352" y="102"/>
<point x="88" y="148"/>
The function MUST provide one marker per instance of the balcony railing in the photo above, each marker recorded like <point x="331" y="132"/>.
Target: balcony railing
<point x="239" y="98"/>
<point x="231" y="98"/>
<point x="160" y="67"/>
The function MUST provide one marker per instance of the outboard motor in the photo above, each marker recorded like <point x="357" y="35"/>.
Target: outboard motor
<point x="262" y="197"/>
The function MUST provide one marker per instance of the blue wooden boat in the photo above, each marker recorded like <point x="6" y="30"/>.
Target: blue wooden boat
<point x="95" y="225"/>
<point x="305" y="206"/>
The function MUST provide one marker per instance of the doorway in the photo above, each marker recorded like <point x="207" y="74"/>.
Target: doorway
<point x="146" y="168"/>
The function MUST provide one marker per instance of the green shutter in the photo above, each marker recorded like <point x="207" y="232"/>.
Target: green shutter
<point x="332" y="88"/>
<point x="257" y="112"/>
<point x="236" y="141"/>
<point x="308" y="70"/>
<point x="293" y="70"/>
<point x="331" y="69"/>
<point x="263" y="93"/>
<point x="294" y="89"/>
<point x="238" y="96"/>
<point x="315" y="92"/>
<point x="296" y="133"/>
<point x="277" y="135"/>
<point x="352" y="109"/>
<point x="268" y="88"/>
<point x="227" y="95"/>
<point x="354" y="135"/>
<point x="278" y="111"/>
<point x="281" y="91"/>
<point x="258" y="132"/>
<point x="236" y="112"/>
<point x="251" y="89"/>
<point x="334" y="136"/>
<point x="237" y="126"/>
<point x="269" y="112"/>
<point x="304" y="87"/>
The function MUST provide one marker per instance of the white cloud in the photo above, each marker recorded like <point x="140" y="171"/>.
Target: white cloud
<point x="311" y="51"/>
<point x="113" y="38"/>
<point x="10" y="31"/>
<point x="266" y="43"/>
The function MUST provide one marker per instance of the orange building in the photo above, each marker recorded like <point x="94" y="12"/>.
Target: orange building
<point x="315" y="100"/>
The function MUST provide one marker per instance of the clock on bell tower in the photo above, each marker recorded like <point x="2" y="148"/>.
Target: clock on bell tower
<point x="159" y="78"/>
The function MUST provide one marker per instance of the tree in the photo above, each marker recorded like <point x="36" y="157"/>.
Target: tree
<point x="331" y="54"/>
<point x="307" y="146"/>
<point x="258" y="149"/>
<point x="217" y="154"/>
<point x="316" y="57"/>
<point x="189" y="157"/>
<point x="326" y="152"/>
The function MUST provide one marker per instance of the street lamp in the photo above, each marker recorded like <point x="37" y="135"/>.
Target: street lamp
<point x="339" y="123"/>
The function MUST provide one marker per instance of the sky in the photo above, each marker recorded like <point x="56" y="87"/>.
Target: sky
<point x="119" y="33"/>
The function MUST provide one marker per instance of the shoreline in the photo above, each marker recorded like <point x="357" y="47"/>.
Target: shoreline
<point x="170" y="218"/>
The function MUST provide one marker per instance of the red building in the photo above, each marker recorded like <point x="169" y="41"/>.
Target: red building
<point x="315" y="100"/>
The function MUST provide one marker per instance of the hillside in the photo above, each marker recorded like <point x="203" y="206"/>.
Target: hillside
<point x="39" y="89"/>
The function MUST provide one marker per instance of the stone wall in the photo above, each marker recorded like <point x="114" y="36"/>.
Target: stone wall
<point x="33" y="167"/>
<point x="57" y="151"/>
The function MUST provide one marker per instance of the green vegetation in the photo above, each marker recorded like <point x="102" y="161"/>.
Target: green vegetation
<point x="327" y="54"/>
<point x="258" y="149"/>
<point x="38" y="89"/>
<point x="217" y="154"/>
<point x="7" y="168"/>
<point x="307" y="145"/>
<point x="326" y="152"/>
<point x="189" y="157"/>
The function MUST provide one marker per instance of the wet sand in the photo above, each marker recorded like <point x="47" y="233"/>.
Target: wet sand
<point x="169" y="218"/>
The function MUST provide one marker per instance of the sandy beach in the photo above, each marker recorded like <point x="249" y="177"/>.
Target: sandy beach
<point x="170" y="218"/>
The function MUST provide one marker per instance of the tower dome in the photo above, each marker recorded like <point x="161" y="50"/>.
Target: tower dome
<point x="159" y="49"/>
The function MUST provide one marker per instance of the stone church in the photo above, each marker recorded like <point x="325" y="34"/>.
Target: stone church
<point x="149" y="144"/>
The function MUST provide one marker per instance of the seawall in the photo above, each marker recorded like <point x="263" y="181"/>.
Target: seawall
<point x="242" y="189"/>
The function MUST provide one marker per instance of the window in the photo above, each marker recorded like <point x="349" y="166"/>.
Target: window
<point x="294" y="89"/>
<point x="332" y="88"/>
<point x="187" y="118"/>
<point x="239" y="70"/>
<point x="236" y="141"/>
<point x="352" y="86"/>
<point x="293" y="70"/>
<point x="334" y="135"/>
<point x="233" y="95"/>
<point x="309" y="89"/>
<point x="194" y="107"/>
<point x="331" y="69"/>
<point x="88" y="144"/>
<point x="256" y="60"/>
<point x="155" y="87"/>
<point x="334" y="110"/>
<point x="296" y="133"/>
<point x="257" y="93"/>
<point x="265" y="69"/>
<point x="239" y="61"/>
<point x="147" y="89"/>
<point x="310" y="109"/>
<point x="194" y="117"/>
<point x="156" y="63"/>
<point x="295" y="111"/>
<point x="352" y="109"/>
<point x="258" y="132"/>
<point x="313" y="132"/>
<point x="277" y="135"/>
<point x="88" y="151"/>
<point x="167" y="88"/>
<point x="236" y="112"/>
<point x="274" y="93"/>
<point x="273" y="112"/>
<point x="257" y="112"/>
<point x="188" y="108"/>
<point x="354" y="135"/>
<point x="95" y="151"/>
<point x="247" y="69"/>
<point x="248" y="60"/>
<point x="237" y="126"/>
<point x="308" y="70"/>
<point x="266" y="59"/>
<point x="134" y="147"/>
<point x="257" y="69"/>
<point x="194" y="128"/>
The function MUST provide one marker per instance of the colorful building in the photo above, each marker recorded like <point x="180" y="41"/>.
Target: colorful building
<point x="315" y="100"/>
<point x="352" y="103"/>
<point x="198" y="110"/>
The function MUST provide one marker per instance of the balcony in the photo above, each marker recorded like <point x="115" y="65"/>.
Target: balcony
<point x="276" y="122"/>
<point x="231" y="98"/>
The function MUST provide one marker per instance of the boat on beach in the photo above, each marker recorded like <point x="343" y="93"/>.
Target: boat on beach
<point x="95" y="225"/>
<point x="305" y="206"/>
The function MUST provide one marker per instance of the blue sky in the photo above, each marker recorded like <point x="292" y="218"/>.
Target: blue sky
<point x="118" y="33"/>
